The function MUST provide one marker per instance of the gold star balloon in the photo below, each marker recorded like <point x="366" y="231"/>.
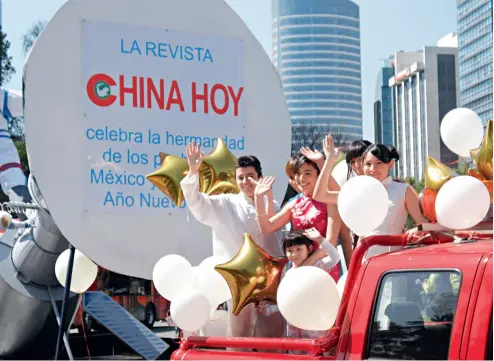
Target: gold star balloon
<point x="168" y="176"/>
<point x="219" y="165"/>
<point x="482" y="156"/>
<point x="252" y="275"/>
<point x="222" y="187"/>
<point x="437" y="173"/>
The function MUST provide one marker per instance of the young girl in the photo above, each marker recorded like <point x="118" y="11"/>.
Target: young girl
<point x="353" y="156"/>
<point x="378" y="161"/>
<point x="298" y="246"/>
<point x="303" y="212"/>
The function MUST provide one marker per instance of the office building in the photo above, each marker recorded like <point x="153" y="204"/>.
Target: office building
<point x="425" y="88"/>
<point x="316" y="49"/>
<point x="475" y="56"/>
<point x="383" y="107"/>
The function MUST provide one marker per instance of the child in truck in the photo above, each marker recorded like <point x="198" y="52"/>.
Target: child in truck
<point x="298" y="246"/>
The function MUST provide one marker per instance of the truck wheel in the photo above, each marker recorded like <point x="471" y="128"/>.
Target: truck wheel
<point x="149" y="316"/>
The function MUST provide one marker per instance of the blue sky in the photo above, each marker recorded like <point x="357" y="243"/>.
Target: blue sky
<point x="386" y="26"/>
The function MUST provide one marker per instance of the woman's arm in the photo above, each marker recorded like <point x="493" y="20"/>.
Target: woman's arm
<point x="346" y="243"/>
<point x="321" y="192"/>
<point x="270" y="210"/>
<point x="269" y="224"/>
<point x="412" y="205"/>
<point x="334" y="224"/>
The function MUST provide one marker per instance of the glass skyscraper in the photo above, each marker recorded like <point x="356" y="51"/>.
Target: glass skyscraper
<point x="475" y="56"/>
<point x="383" y="107"/>
<point x="316" y="49"/>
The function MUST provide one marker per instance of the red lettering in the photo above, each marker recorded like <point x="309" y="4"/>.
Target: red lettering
<point x="159" y="97"/>
<point x="235" y="98"/>
<point x="174" y="97"/>
<point x="216" y="109"/>
<point x="200" y="97"/>
<point x="132" y="90"/>
<point x="141" y="92"/>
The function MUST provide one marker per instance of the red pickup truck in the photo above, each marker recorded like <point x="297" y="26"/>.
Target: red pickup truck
<point x="431" y="300"/>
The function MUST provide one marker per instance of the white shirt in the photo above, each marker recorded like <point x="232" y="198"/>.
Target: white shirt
<point x="230" y="216"/>
<point x="395" y="220"/>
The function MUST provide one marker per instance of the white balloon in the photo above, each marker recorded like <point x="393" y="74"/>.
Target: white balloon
<point x="363" y="204"/>
<point x="308" y="298"/>
<point x="5" y="220"/>
<point x="190" y="310"/>
<point x="340" y="173"/>
<point x="341" y="284"/>
<point x="462" y="202"/>
<point x="212" y="285"/>
<point x="213" y="261"/>
<point x="172" y="275"/>
<point x="84" y="271"/>
<point x="462" y="130"/>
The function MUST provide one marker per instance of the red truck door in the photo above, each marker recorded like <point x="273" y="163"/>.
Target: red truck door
<point x="477" y="337"/>
<point x="409" y="305"/>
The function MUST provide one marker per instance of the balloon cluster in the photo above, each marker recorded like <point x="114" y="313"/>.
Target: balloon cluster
<point x="454" y="201"/>
<point x="194" y="292"/>
<point x="216" y="175"/>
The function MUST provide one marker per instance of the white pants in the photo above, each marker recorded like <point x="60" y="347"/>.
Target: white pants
<point x="250" y="324"/>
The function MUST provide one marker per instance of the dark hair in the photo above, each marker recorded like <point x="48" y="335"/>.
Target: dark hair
<point x="296" y="238"/>
<point x="382" y="152"/>
<point x="301" y="160"/>
<point x="354" y="150"/>
<point x="249" y="161"/>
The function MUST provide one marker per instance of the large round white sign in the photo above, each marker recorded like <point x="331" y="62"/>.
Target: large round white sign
<point x="109" y="85"/>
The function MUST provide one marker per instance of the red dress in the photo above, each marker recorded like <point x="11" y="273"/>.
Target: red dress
<point x="308" y="213"/>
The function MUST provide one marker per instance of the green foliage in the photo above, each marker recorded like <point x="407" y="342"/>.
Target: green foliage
<point x="30" y="37"/>
<point x="6" y="67"/>
<point x="21" y="150"/>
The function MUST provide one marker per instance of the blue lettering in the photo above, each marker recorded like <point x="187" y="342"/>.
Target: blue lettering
<point x="162" y="48"/>
<point x="135" y="47"/>
<point x="208" y="55"/>
<point x="165" y="50"/>
<point x="199" y="54"/>
<point x="188" y="53"/>
<point x="122" y="50"/>
<point x="114" y="135"/>
<point x="119" y="200"/>
<point x="148" y="47"/>
<point x="149" y="201"/>
<point x="113" y="178"/>
<point x="174" y="53"/>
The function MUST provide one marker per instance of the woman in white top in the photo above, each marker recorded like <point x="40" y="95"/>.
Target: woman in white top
<point x="377" y="162"/>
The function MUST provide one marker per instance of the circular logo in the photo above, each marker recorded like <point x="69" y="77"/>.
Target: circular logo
<point x="102" y="89"/>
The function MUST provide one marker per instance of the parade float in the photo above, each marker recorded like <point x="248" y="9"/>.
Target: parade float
<point x="113" y="93"/>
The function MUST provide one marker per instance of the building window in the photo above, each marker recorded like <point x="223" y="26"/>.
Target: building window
<point x="413" y="315"/>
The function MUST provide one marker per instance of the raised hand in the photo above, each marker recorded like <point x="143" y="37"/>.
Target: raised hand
<point x="314" y="235"/>
<point x="330" y="151"/>
<point x="194" y="157"/>
<point x="313" y="155"/>
<point x="264" y="185"/>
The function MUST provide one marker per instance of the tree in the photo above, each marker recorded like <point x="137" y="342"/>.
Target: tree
<point x="311" y="135"/>
<point x="30" y="37"/>
<point x="6" y="67"/>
